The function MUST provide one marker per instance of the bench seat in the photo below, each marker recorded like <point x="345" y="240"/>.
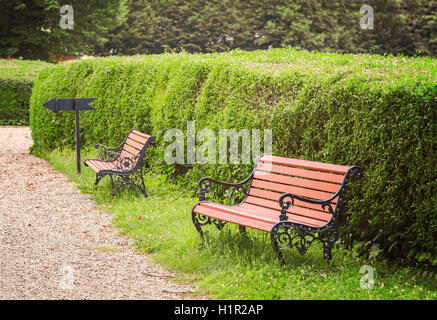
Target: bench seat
<point x="98" y="165"/>
<point x="259" y="217"/>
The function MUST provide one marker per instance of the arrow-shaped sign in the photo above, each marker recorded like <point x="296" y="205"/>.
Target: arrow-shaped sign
<point x="75" y="104"/>
<point x="56" y="104"/>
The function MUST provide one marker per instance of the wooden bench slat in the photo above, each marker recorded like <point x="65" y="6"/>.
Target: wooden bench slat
<point x="131" y="150"/>
<point x="318" y="195"/>
<point x="264" y="216"/>
<point x="257" y="214"/>
<point x="134" y="144"/>
<point x="96" y="164"/>
<point x="96" y="167"/>
<point x="138" y="138"/>
<point x="291" y="217"/>
<point x="103" y="165"/>
<point x="240" y="220"/>
<point x="107" y="165"/>
<point x="125" y="154"/>
<point x="299" y="182"/>
<point x="319" y="215"/>
<point x="140" y="134"/>
<point x="271" y="195"/>
<point x="92" y="165"/>
<point x="309" y="174"/>
<point x="313" y="165"/>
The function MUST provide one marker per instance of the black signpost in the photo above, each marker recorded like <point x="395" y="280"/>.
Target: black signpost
<point x="75" y="104"/>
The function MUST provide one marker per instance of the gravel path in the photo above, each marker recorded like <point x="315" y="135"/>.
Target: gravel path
<point x="55" y="243"/>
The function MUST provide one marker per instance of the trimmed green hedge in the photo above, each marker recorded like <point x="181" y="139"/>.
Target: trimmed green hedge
<point x="376" y="112"/>
<point x="14" y="101"/>
<point x="16" y="81"/>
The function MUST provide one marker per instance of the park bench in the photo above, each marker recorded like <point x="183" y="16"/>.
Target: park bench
<point x="124" y="164"/>
<point x="297" y="201"/>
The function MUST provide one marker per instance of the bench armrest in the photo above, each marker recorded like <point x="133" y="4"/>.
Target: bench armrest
<point x="287" y="204"/>
<point x="107" y="153"/>
<point x="206" y="183"/>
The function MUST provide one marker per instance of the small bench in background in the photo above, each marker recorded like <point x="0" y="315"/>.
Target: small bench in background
<point x="124" y="163"/>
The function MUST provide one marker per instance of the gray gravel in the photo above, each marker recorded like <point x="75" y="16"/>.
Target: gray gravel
<point x="55" y="243"/>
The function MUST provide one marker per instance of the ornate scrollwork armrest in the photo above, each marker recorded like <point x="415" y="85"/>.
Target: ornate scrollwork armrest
<point x="107" y="153"/>
<point x="206" y="183"/>
<point x="285" y="205"/>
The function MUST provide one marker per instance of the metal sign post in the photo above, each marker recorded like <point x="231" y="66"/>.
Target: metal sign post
<point x="75" y="104"/>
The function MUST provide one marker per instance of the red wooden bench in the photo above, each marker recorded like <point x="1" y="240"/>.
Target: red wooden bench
<point x="297" y="201"/>
<point x="123" y="163"/>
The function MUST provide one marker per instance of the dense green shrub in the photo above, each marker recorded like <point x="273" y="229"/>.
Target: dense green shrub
<point x="376" y="112"/>
<point x="16" y="81"/>
<point x="14" y="101"/>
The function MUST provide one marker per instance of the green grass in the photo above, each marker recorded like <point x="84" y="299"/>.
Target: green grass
<point x="18" y="69"/>
<point x="230" y="266"/>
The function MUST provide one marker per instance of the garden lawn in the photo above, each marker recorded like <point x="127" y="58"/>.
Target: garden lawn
<point x="230" y="266"/>
<point x="19" y="69"/>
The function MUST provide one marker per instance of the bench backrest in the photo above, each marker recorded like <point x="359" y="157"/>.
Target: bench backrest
<point x="135" y="145"/>
<point x="274" y="176"/>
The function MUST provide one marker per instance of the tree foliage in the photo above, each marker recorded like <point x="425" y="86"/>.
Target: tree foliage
<point x="156" y="26"/>
<point x="31" y="28"/>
